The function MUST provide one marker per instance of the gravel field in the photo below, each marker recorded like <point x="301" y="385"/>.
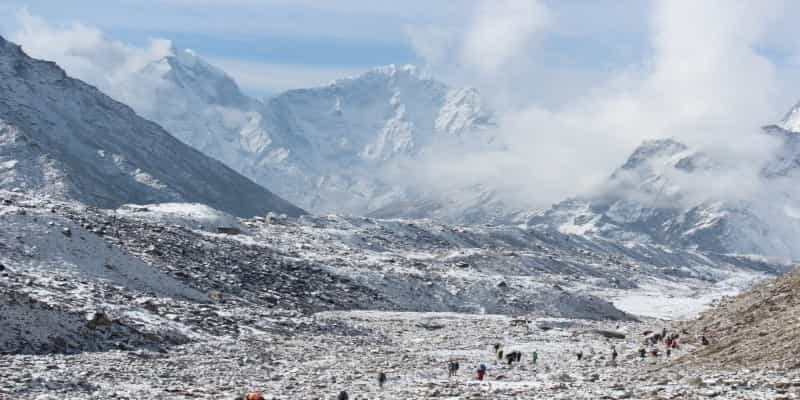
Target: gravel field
<point x="411" y="348"/>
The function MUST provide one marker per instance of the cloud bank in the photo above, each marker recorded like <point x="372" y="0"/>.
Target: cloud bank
<point x="86" y="53"/>
<point x="703" y="81"/>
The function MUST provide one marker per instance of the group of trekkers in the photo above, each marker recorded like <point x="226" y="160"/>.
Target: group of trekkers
<point x="653" y="341"/>
<point x="670" y="340"/>
<point x="510" y="358"/>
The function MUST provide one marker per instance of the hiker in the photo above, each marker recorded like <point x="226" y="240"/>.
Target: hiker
<point x="655" y="339"/>
<point x="654" y="352"/>
<point x="381" y="379"/>
<point x="664" y="333"/>
<point x="481" y="371"/>
<point x="535" y="357"/>
<point x="614" y="354"/>
<point x="642" y="353"/>
<point x="253" y="396"/>
<point x="514" y="356"/>
<point x="580" y="355"/>
<point x="704" y="340"/>
<point x="669" y="352"/>
<point x="342" y="396"/>
<point x="500" y="355"/>
<point x="452" y="367"/>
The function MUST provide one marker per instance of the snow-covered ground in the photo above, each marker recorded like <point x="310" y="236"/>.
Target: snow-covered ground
<point x="412" y="349"/>
<point x="154" y="301"/>
<point x="672" y="301"/>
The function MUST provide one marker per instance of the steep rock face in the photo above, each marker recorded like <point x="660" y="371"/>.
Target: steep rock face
<point x="327" y="149"/>
<point x="654" y="196"/>
<point x="62" y="137"/>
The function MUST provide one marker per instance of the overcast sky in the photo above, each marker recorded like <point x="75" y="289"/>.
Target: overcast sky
<point x="304" y="42"/>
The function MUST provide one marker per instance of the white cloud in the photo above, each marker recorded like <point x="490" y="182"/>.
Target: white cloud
<point x="502" y="34"/>
<point x="85" y="53"/>
<point x="703" y="82"/>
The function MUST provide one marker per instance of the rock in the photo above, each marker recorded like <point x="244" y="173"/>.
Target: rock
<point x="609" y="334"/>
<point x="565" y="377"/>
<point x="218" y="297"/>
<point x="229" y="230"/>
<point x="98" y="319"/>
<point x="66" y="232"/>
<point x="430" y="327"/>
<point x="696" y="381"/>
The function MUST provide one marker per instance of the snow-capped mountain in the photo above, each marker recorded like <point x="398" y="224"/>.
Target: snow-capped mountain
<point x="327" y="149"/>
<point x="62" y="137"/>
<point x="658" y="195"/>
<point x="791" y="121"/>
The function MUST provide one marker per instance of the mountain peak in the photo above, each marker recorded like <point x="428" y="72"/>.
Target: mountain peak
<point x="791" y="121"/>
<point x="190" y="73"/>
<point x="186" y="57"/>
<point x="651" y="149"/>
<point x="388" y="73"/>
<point x="393" y="70"/>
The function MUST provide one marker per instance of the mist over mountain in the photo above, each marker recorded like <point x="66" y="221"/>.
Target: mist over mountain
<point x="341" y="148"/>
<point x="669" y="193"/>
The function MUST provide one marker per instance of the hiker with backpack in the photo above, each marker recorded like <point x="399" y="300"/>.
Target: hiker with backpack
<point x="481" y="371"/>
<point x="452" y="368"/>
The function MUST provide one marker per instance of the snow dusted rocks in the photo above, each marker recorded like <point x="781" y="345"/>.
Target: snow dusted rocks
<point x="321" y="364"/>
<point x="63" y="138"/>
<point x="165" y="270"/>
<point x="151" y="302"/>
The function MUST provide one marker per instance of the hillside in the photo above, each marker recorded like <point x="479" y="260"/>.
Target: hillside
<point x="757" y="329"/>
<point x="63" y="138"/>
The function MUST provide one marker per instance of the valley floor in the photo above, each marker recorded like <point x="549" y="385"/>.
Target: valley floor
<point x="411" y="348"/>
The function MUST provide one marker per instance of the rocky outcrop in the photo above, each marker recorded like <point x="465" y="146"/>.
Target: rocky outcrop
<point x="757" y="329"/>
